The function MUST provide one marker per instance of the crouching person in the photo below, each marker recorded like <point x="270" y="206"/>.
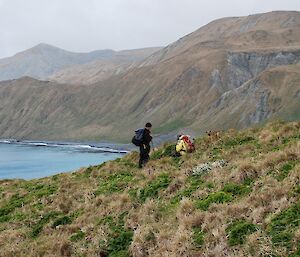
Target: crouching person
<point x="184" y="145"/>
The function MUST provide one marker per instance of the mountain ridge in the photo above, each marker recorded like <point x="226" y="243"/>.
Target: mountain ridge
<point x="43" y="60"/>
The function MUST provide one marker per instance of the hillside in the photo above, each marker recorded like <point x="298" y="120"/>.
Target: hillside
<point x="99" y="70"/>
<point x="233" y="72"/>
<point x="237" y="195"/>
<point x="44" y="60"/>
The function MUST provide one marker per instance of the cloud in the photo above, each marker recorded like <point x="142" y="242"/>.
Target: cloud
<point x="85" y="25"/>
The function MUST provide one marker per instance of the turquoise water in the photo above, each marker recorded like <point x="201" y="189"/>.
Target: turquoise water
<point x="33" y="161"/>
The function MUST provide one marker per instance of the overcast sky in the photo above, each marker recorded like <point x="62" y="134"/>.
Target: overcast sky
<point x="86" y="25"/>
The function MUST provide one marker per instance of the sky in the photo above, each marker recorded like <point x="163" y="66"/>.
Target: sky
<point x="87" y="25"/>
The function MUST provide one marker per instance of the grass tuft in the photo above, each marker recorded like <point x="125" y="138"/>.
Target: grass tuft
<point x="283" y="226"/>
<point x="218" y="197"/>
<point x="238" y="231"/>
<point x="79" y="235"/>
<point x="198" y="237"/>
<point x="154" y="187"/>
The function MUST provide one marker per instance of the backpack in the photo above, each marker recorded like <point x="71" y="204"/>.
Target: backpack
<point x="138" y="137"/>
<point x="190" y="144"/>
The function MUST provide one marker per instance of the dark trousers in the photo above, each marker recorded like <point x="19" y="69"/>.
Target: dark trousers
<point x="144" y="155"/>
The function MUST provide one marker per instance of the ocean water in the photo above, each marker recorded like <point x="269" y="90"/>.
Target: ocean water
<point x="36" y="160"/>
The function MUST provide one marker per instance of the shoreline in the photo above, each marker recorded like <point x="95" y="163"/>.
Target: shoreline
<point x="82" y="146"/>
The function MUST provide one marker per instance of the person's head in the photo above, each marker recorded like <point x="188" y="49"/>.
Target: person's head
<point x="179" y="136"/>
<point x="148" y="126"/>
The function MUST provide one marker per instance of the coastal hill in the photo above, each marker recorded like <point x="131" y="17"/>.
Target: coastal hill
<point x="232" y="72"/>
<point x="236" y="195"/>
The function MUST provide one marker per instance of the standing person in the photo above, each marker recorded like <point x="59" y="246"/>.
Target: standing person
<point x="142" y="139"/>
<point x="145" y="145"/>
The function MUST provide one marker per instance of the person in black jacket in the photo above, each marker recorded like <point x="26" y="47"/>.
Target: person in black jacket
<point x="145" y="145"/>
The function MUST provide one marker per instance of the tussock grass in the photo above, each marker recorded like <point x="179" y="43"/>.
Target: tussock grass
<point x="248" y="207"/>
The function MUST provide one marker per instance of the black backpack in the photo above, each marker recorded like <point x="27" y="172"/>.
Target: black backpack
<point x="138" y="137"/>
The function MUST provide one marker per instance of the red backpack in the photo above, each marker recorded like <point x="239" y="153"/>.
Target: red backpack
<point x="190" y="144"/>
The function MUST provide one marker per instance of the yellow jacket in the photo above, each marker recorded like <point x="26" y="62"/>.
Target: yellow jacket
<point x="181" y="147"/>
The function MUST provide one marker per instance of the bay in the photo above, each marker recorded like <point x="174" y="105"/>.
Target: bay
<point x="32" y="160"/>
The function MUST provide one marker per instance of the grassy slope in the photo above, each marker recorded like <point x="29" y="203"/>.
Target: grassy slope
<point x="250" y="207"/>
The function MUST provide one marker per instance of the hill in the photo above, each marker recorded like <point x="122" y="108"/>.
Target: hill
<point x="99" y="70"/>
<point x="233" y="72"/>
<point x="44" y="60"/>
<point x="236" y="195"/>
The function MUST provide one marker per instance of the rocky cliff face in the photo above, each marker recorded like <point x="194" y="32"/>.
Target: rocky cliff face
<point x="243" y="66"/>
<point x="242" y="78"/>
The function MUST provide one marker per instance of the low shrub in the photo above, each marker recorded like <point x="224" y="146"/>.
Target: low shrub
<point x="217" y="197"/>
<point x="79" y="235"/>
<point x="283" y="226"/>
<point x="238" y="231"/>
<point x="237" y="189"/>
<point x="62" y="221"/>
<point x="167" y="151"/>
<point x="38" y="227"/>
<point x="16" y="201"/>
<point x="153" y="188"/>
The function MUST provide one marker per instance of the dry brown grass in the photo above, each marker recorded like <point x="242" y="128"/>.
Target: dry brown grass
<point x="258" y="244"/>
<point x="246" y="170"/>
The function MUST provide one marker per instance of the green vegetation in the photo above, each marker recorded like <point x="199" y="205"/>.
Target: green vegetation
<point x="119" y="236"/>
<point x="167" y="151"/>
<point x="237" y="189"/>
<point x="62" y="221"/>
<point x="283" y="226"/>
<point x="79" y="235"/>
<point x="153" y="188"/>
<point x="16" y="201"/>
<point x="238" y="231"/>
<point x="218" y="197"/>
<point x="192" y="184"/>
<point x="285" y="170"/>
<point x="198" y="237"/>
<point x="38" y="227"/>
<point x="114" y="183"/>
<point x="240" y="140"/>
<point x="39" y="190"/>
